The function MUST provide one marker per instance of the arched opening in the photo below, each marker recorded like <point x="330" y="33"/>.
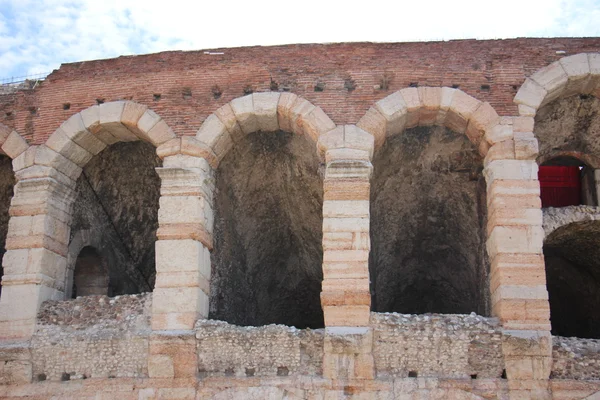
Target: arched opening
<point x="568" y="132"/>
<point x="428" y="218"/>
<point x="267" y="257"/>
<point x="572" y="257"/>
<point x="116" y="212"/>
<point x="91" y="275"/>
<point x="567" y="181"/>
<point x="7" y="182"/>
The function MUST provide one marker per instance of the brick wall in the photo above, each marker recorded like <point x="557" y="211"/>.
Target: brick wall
<point x="348" y="74"/>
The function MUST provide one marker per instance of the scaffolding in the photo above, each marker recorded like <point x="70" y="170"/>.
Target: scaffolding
<point x="15" y="80"/>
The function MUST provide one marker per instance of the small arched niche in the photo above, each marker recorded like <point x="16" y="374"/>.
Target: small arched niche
<point x="428" y="218"/>
<point x="90" y="276"/>
<point x="572" y="258"/>
<point x="267" y="257"/>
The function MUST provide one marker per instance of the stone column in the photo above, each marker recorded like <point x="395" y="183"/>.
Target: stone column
<point x="37" y="241"/>
<point x="345" y="295"/>
<point x="185" y="219"/>
<point x="518" y="279"/>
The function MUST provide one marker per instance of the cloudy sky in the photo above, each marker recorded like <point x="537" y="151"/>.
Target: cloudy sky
<point x="38" y="35"/>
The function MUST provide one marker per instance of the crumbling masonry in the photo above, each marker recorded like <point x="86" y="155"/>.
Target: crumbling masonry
<point x="303" y="222"/>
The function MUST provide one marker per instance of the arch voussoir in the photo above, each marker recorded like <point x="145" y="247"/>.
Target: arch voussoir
<point x="266" y="112"/>
<point x="576" y="74"/>
<point x="11" y="143"/>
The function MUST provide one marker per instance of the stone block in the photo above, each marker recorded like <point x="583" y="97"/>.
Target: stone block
<point x="50" y="158"/>
<point x="160" y="133"/>
<point x="413" y="106"/>
<point x="91" y="121"/>
<point x="526" y="111"/>
<point x="186" y="393"/>
<point x="375" y="123"/>
<point x="515" y="239"/>
<point x="338" y="241"/>
<point x="284" y="106"/>
<point x="346" y="208"/>
<point x="345" y="269"/>
<point x="191" y="147"/>
<point x="504" y="150"/>
<point x="520" y="292"/>
<point x="14" y="145"/>
<point x="180" y="255"/>
<point x="350" y="189"/>
<point x="530" y="94"/>
<point x="179" y="300"/>
<point x="511" y="170"/>
<point x="552" y="78"/>
<point x="515" y="217"/>
<point x="243" y="109"/>
<point x="526" y="146"/>
<point x="510" y="276"/>
<point x="346" y="154"/>
<point x="346" y="224"/>
<point x="109" y="119"/>
<point x="24" y="160"/>
<point x="147" y="121"/>
<point x="75" y="129"/>
<point x="317" y="123"/>
<point x="62" y="144"/>
<point x="160" y="366"/>
<point x="356" y="138"/>
<point x="265" y="110"/>
<point x="169" y="148"/>
<point x="298" y="116"/>
<point x="484" y="119"/>
<point x="346" y="315"/>
<point x="184" y="209"/>
<point x="431" y="99"/>
<point x="460" y="111"/>
<point x="227" y="117"/>
<point x="523" y="314"/>
<point x="52" y="227"/>
<point x="577" y="67"/>
<point x="499" y="133"/>
<point x="132" y="113"/>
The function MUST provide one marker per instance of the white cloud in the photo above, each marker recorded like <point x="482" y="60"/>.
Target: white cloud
<point x="41" y="34"/>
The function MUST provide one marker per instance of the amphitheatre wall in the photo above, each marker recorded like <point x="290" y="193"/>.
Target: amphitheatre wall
<point x="303" y="222"/>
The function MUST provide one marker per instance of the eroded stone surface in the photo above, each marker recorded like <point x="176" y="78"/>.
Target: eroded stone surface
<point x="266" y="263"/>
<point x="427" y="217"/>
<point x="7" y="182"/>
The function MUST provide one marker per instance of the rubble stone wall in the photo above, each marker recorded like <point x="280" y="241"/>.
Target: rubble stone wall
<point x="92" y="337"/>
<point x="436" y="345"/>
<point x="575" y="358"/>
<point x="272" y="350"/>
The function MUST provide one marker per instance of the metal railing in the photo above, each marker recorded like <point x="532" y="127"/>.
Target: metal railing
<point x="20" y="79"/>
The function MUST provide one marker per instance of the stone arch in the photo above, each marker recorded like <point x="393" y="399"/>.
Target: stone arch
<point x="426" y="106"/>
<point x="415" y="266"/>
<point x="266" y="112"/>
<point x="42" y="206"/>
<point x="556" y="218"/>
<point x="90" y="131"/>
<point x="576" y="74"/>
<point x="281" y="269"/>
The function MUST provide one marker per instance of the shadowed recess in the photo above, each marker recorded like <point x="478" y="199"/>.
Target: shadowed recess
<point x="427" y="225"/>
<point x="7" y="183"/>
<point x="116" y="212"/>
<point x="572" y="257"/>
<point x="567" y="125"/>
<point x="268" y="231"/>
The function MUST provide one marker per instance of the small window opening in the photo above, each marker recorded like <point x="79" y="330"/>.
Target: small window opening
<point x="413" y="374"/>
<point x="66" y="106"/>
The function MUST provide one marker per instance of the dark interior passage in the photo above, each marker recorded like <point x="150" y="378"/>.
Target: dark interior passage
<point x="116" y="212"/>
<point x="428" y="213"/>
<point x="91" y="274"/>
<point x="572" y="257"/>
<point x="266" y="263"/>
<point x="7" y="183"/>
